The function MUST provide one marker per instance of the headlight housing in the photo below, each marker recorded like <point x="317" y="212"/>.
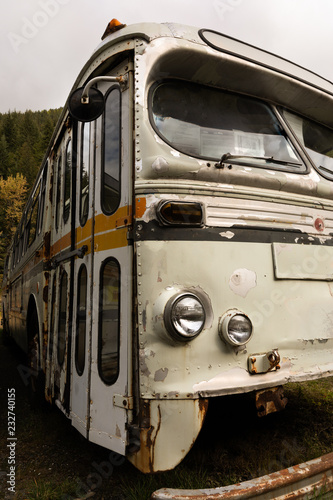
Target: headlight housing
<point x="184" y="317"/>
<point x="235" y="328"/>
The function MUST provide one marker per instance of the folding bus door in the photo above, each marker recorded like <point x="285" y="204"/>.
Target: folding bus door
<point x="110" y="388"/>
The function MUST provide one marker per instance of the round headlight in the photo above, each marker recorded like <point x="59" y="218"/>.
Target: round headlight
<point x="184" y="317"/>
<point x="235" y="327"/>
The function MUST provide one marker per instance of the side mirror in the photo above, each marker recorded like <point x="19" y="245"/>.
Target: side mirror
<point x="87" y="103"/>
<point x="86" y="108"/>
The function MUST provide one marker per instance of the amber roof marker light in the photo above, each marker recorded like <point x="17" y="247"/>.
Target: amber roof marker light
<point x="113" y="25"/>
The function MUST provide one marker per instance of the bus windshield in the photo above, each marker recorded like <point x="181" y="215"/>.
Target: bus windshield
<point x="317" y="140"/>
<point x="208" y="123"/>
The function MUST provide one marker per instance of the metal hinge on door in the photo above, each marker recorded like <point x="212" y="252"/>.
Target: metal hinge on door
<point x="125" y="402"/>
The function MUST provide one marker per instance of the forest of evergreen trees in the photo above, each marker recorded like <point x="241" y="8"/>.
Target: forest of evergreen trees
<point x="24" y="138"/>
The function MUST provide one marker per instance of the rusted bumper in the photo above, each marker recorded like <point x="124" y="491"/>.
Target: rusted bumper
<point x="300" y="481"/>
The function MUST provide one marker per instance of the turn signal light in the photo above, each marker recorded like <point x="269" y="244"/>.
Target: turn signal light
<point x="180" y="213"/>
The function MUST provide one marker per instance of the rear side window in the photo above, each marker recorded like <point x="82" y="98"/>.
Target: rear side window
<point x="67" y="179"/>
<point x="32" y="216"/>
<point x="58" y="191"/>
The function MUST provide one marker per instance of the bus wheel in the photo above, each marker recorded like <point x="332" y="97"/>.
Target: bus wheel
<point x="36" y="375"/>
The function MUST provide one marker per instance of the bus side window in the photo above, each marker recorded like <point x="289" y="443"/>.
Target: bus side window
<point x="58" y="191"/>
<point x="32" y="217"/>
<point x="62" y="318"/>
<point x="84" y="173"/>
<point x="81" y="320"/>
<point x="53" y="303"/>
<point x="42" y="200"/>
<point x="108" y="341"/>
<point x="67" y="186"/>
<point x="111" y="153"/>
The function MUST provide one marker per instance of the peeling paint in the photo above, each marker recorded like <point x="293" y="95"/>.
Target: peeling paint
<point x="143" y="365"/>
<point x="160" y="165"/>
<point x="227" y="234"/>
<point x="161" y="374"/>
<point x="242" y="281"/>
<point x="158" y="139"/>
<point x="239" y="380"/>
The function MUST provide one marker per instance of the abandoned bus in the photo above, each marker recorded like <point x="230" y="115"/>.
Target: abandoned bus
<point x="177" y="243"/>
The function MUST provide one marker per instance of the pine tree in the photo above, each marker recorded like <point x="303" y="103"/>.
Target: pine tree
<point x="4" y="156"/>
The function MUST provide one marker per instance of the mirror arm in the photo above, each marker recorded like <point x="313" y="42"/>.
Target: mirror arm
<point x="116" y="79"/>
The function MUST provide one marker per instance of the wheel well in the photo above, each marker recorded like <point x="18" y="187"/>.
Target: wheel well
<point x="32" y="320"/>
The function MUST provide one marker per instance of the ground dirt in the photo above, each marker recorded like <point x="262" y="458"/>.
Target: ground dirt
<point x="54" y="462"/>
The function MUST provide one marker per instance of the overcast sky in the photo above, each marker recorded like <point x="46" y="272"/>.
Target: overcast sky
<point x="45" y="43"/>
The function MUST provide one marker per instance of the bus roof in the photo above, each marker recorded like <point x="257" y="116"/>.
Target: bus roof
<point x="217" y="42"/>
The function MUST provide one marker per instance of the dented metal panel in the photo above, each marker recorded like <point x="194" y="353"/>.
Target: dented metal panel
<point x="302" y="481"/>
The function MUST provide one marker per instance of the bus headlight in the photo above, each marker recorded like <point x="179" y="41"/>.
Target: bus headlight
<point x="184" y="317"/>
<point x="235" y="328"/>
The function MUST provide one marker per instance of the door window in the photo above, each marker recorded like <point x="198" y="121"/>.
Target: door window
<point x="111" y="154"/>
<point x="62" y="318"/>
<point x="108" y="345"/>
<point x="84" y="173"/>
<point x="81" y="320"/>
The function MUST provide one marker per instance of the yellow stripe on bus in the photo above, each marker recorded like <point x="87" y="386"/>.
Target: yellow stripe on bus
<point x="111" y="240"/>
<point x="110" y="232"/>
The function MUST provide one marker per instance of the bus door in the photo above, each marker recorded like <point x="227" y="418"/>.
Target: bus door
<point x="82" y="277"/>
<point x="110" y="385"/>
<point x="58" y="381"/>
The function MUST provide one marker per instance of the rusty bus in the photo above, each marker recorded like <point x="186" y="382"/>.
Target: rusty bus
<point x="177" y="244"/>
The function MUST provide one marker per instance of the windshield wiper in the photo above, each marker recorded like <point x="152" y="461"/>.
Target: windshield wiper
<point x="229" y="157"/>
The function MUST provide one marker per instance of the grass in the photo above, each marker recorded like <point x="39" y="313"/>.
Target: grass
<point x="51" y="490"/>
<point x="181" y="478"/>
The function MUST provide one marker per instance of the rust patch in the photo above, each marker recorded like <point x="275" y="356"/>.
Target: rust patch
<point x="140" y="207"/>
<point x="270" y="401"/>
<point x="295" y="482"/>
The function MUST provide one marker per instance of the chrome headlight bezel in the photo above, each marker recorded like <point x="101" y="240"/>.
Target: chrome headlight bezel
<point x="174" y="328"/>
<point x="226" y="322"/>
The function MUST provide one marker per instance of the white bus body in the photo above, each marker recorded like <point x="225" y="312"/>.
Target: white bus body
<point x="177" y="247"/>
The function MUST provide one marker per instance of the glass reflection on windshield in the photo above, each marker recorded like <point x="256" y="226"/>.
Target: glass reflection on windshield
<point x="317" y="140"/>
<point x="205" y="122"/>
